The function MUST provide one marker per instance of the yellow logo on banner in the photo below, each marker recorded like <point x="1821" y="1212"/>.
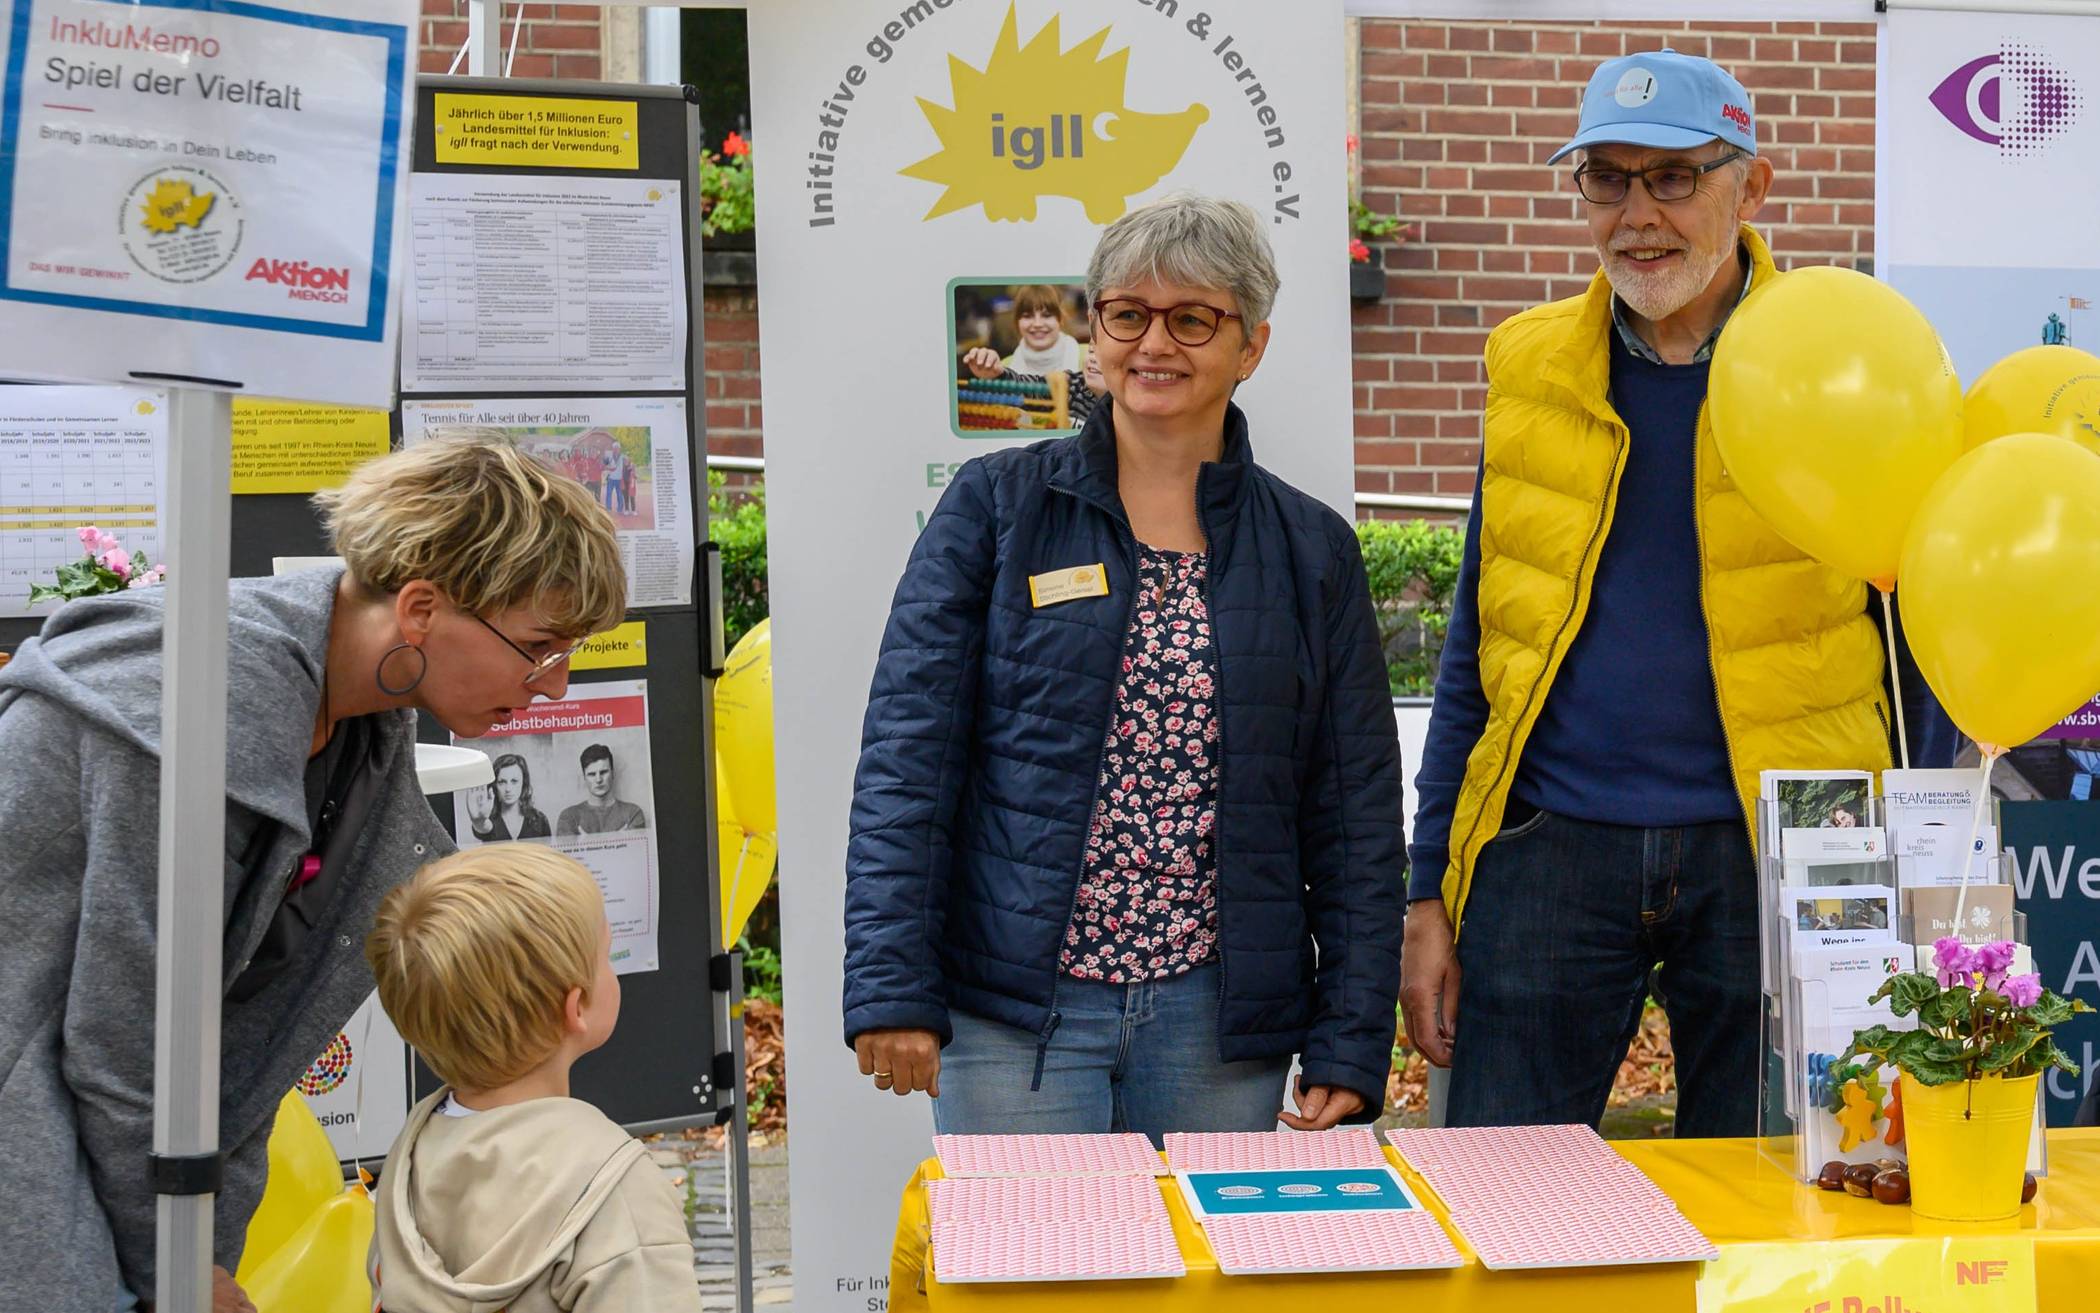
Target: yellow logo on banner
<point x="175" y="204"/>
<point x="1955" y="1274"/>
<point x="1040" y="121"/>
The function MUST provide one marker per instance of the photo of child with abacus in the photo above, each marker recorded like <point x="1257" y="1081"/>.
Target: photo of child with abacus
<point x="1022" y="359"/>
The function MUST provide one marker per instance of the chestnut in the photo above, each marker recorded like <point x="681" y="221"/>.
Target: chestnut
<point x="1890" y="1164"/>
<point x="1892" y="1186"/>
<point x="1832" y="1177"/>
<point x="2028" y="1185"/>
<point x="1859" y="1180"/>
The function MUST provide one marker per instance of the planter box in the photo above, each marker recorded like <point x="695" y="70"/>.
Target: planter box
<point x="1367" y="279"/>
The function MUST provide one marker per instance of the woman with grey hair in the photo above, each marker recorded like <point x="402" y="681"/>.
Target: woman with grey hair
<point x="1126" y="831"/>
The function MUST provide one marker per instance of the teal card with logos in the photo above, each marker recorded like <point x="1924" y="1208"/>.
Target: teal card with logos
<point x="1327" y="1190"/>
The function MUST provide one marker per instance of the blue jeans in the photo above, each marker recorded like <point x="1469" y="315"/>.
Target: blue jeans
<point x="1569" y="925"/>
<point x="1123" y="1058"/>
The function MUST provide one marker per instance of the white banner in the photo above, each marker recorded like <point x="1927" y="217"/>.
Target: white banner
<point x="1987" y="138"/>
<point x="358" y="1087"/>
<point x="205" y="191"/>
<point x="942" y="174"/>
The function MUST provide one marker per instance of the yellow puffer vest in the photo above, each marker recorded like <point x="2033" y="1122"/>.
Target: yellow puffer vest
<point x="1797" y="663"/>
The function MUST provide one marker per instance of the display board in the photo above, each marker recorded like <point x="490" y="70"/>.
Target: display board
<point x="561" y="202"/>
<point x="559" y="218"/>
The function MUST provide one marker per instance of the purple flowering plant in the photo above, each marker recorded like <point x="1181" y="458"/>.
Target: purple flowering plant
<point x="104" y="568"/>
<point x="1974" y="1018"/>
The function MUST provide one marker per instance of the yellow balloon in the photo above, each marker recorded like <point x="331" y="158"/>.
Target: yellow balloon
<point x="321" y="1268"/>
<point x="304" y="1174"/>
<point x="1835" y="408"/>
<point x="744" y="728"/>
<point x="1998" y="586"/>
<point x="747" y="871"/>
<point x="2043" y="389"/>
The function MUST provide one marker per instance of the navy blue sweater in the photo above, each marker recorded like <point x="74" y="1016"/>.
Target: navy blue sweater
<point x="1630" y="733"/>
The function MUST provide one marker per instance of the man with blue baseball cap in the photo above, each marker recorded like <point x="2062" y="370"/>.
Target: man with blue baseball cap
<point x="1630" y="644"/>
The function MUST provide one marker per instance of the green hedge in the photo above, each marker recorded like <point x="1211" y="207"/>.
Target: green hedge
<point x="738" y="522"/>
<point x="1413" y="567"/>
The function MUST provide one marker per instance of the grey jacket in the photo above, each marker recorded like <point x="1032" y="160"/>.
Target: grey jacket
<point x="79" y="833"/>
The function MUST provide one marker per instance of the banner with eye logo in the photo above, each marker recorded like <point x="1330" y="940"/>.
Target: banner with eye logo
<point x="937" y="175"/>
<point x="1987" y="128"/>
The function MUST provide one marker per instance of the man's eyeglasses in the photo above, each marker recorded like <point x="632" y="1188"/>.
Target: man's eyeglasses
<point x="1127" y="319"/>
<point x="1665" y="182"/>
<point x="541" y="666"/>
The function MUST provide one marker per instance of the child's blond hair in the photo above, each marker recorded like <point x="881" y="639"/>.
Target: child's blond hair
<point x="476" y="954"/>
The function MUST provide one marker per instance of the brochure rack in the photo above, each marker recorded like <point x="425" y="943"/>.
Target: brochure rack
<point x="1834" y="923"/>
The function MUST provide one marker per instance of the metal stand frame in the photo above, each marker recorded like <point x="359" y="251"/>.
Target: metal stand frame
<point x="196" y="531"/>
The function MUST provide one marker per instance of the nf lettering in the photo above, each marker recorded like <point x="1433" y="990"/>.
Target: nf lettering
<point x="1066" y="136"/>
<point x="1979" y="1273"/>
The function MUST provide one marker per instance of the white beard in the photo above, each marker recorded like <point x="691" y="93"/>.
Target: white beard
<point x="1662" y="293"/>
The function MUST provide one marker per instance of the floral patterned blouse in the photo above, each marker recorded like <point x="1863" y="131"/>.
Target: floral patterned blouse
<point x="1148" y="902"/>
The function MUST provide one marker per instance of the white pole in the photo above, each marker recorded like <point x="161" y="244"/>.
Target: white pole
<point x="485" y="38"/>
<point x="196" y="519"/>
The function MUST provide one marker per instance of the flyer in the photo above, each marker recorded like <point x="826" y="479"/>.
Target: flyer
<point x="301" y="447"/>
<point x="631" y="452"/>
<point x="205" y="191"/>
<point x="575" y="775"/>
<point x="529" y="283"/>
<point x="70" y="457"/>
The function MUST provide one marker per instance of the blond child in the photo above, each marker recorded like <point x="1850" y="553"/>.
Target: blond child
<point x="502" y="1191"/>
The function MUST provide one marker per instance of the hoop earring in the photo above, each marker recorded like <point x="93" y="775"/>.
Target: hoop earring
<point x="422" y="669"/>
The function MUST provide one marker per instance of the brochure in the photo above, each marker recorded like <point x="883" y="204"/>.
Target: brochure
<point x="1843" y="1117"/>
<point x="1929" y="814"/>
<point x="1986" y="913"/>
<point x="1836" y="917"/>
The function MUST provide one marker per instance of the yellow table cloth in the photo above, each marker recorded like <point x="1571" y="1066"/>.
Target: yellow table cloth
<point x="1726" y="1187"/>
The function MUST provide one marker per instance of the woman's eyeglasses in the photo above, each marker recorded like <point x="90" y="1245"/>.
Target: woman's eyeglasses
<point x="1127" y="319"/>
<point x="541" y="666"/>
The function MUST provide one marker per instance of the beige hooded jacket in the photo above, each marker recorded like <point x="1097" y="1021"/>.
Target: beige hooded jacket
<point x="537" y="1207"/>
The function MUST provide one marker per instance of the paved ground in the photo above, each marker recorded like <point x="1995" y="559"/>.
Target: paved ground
<point x="701" y="1177"/>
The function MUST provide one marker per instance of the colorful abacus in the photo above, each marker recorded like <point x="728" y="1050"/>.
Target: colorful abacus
<point x="986" y="404"/>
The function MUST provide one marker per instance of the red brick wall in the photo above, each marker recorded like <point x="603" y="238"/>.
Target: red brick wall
<point x="558" y="40"/>
<point x="732" y="373"/>
<point x="1457" y="122"/>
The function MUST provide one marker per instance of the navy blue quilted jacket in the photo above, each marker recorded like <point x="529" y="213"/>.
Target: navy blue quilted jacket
<point x="989" y="717"/>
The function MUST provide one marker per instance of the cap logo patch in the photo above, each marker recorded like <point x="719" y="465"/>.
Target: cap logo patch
<point x="1636" y="88"/>
<point x="1737" y="115"/>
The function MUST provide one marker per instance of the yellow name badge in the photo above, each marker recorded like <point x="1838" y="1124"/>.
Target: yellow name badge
<point x="1067" y="584"/>
<point x="1954" y="1274"/>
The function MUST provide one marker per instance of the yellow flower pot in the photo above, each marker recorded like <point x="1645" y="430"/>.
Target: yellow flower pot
<point x="1968" y="1146"/>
